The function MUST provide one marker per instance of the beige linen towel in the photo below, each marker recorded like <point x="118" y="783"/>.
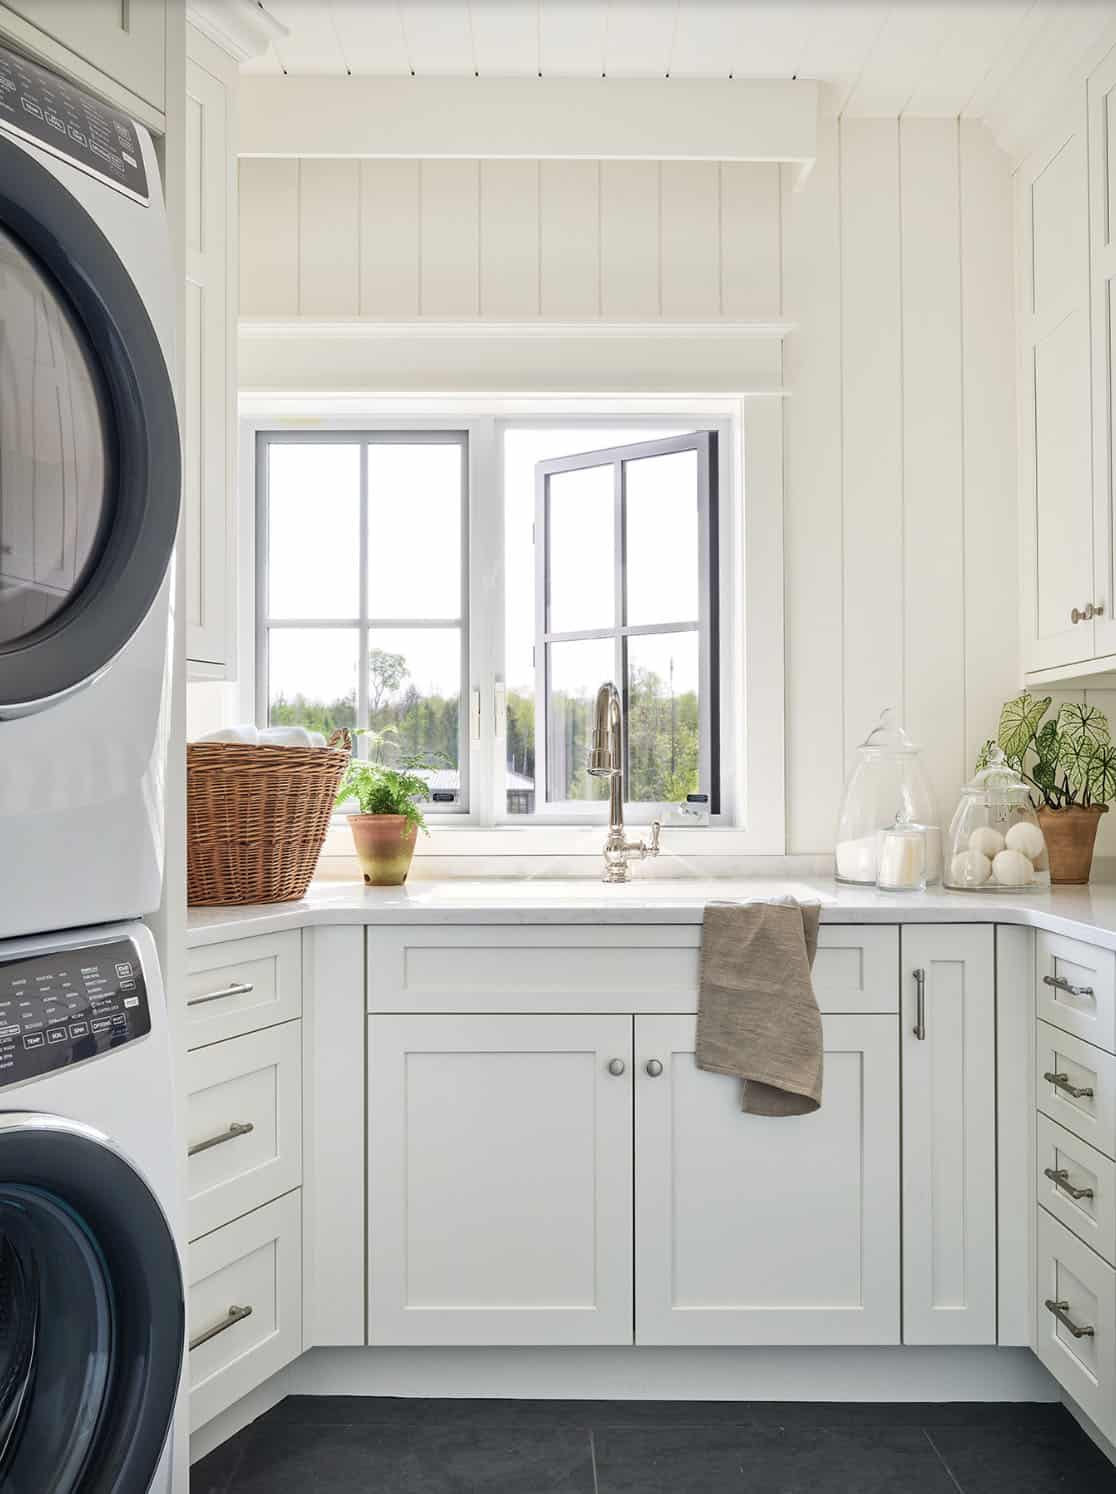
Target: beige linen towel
<point x="757" y="1014"/>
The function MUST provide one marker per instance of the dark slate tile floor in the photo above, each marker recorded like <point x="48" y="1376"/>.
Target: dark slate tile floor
<point x="359" y="1445"/>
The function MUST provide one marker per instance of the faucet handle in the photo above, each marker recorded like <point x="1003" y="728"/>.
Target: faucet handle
<point x="653" y="848"/>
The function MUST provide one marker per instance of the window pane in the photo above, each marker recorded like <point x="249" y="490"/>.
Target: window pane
<point x="662" y="538"/>
<point x="312" y="677"/>
<point x="414" y="531"/>
<point x="663" y="675"/>
<point x="576" y="672"/>
<point x="313" y="525"/>
<point x="414" y="686"/>
<point x="581" y="518"/>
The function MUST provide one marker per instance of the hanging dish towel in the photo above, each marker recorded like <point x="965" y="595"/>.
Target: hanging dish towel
<point x="757" y="1014"/>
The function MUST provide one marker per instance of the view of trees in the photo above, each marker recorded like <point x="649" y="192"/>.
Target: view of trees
<point x="662" y="729"/>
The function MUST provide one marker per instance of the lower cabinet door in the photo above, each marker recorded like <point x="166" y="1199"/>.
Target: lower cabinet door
<point x="949" y="1134"/>
<point x="500" y="1188"/>
<point x="753" y="1230"/>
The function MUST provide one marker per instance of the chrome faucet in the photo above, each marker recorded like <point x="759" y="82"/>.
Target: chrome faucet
<point x="605" y="759"/>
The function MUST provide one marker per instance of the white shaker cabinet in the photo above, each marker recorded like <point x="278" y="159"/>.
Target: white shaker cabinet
<point x="126" y="42"/>
<point x="500" y="1179"/>
<point x="1102" y="198"/>
<point x="1055" y="474"/>
<point x="755" y="1230"/>
<point x="948" y="1059"/>
<point x="210" y="390"/>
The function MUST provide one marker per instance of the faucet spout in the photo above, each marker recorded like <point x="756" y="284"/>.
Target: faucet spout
<point x="605" y="759"/>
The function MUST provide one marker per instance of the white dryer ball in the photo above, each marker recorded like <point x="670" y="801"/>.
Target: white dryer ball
<point x="970" y="869"/>
<point x="1013" y="869"/>
<point x="987" y="841"/>
<point x="1026" y="838"/>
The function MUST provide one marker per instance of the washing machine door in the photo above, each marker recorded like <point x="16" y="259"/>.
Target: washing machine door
<point x="91" y="1314"/>
<point x="89" y="445"/>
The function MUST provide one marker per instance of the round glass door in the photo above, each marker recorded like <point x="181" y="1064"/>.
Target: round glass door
<point x="53" y="449"/>
<point x="91" y="1314"/>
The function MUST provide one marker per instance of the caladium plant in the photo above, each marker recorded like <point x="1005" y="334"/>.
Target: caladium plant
<point x="1068" y="759"/>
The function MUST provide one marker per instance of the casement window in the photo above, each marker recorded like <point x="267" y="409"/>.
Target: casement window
<point x="596" y="552"/>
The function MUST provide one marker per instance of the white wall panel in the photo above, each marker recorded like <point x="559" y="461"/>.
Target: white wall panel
<point x="389" y="239"/>
<point x="509" y="240"/>
<point x="269" y="237"/>
<point x="750" y="240"/>
<point x="630" y="284"/>
<point x="450" y="248"/>
<point x="689" y="239"/>
<point x="570" y="239"/>
<point x="329" y="238"/>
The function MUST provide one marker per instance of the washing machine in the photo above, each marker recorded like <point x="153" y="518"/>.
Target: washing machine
<point x="91" y="1295"/>
<point x="90" y="478"/>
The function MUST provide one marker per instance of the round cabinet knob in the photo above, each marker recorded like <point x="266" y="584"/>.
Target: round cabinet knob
<point x="1076" y="616"/>
<point x="616" y="1067"/>
<point x="653" y="1067"/>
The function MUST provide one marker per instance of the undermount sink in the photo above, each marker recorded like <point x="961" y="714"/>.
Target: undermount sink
<point x="651" y="889"/>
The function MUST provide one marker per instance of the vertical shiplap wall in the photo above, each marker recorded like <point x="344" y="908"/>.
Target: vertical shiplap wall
<point x="900" y="441"/>
<point x="568" y="240"/>
<point x="895" y="262"/>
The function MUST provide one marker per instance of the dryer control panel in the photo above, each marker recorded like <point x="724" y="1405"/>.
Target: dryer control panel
<point x="59" y="1008"/>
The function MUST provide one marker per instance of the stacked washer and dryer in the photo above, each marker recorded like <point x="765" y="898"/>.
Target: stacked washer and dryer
<point x="91" y="1301"/>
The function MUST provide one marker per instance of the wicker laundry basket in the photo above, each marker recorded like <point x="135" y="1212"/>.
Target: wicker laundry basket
<point x="256" y="818"/>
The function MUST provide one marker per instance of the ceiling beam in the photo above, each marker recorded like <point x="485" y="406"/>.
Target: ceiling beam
<point x="654" y="119"/>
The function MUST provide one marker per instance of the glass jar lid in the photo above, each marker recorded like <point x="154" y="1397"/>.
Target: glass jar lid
<point x="887" y="736"/>
<point x="998" y="782"/>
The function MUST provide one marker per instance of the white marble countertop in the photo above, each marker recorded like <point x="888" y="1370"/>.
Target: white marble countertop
<point x="1087" y="913"/>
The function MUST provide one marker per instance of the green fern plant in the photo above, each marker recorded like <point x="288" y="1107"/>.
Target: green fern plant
<point x="382" y="788"/>
<point x="1069" y="759"/>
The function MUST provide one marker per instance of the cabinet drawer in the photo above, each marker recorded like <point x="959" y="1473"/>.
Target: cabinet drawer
<point x="243" y="1124"/>
<point x="1082" y="1192"/>
<point x="244" y="1305"/>
<point x="1083" y="1288"/>
<point x="641" y="967"/>
<point x="1076" y="988"/>
<point x="1084" y="1098"/>
<point x="242" y="985"/>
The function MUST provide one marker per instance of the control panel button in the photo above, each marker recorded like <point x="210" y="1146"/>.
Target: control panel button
<point x="127" y="985"/>
<point x="79" y="1029"/>
<point x="124" y="968"/>
<point x="34" y="1040"/>
<point x="119" y="1021"/>
<point x="56" y="1034"/>
<point x="101" y="1024"/>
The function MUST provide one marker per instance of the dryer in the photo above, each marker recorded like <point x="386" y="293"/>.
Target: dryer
<point x="91" y="1295"/>
<point x="90" y="478"/>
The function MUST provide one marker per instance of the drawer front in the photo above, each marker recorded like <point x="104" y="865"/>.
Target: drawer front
<point x="641" y="967"/>
<point x="1076" y="988"/>
<point x="1075" y="1084"/>
<point x="1077" y="1290"/>
<point x="254" y="1263"/>
<point x="1076" y="1184"/>
<point x="243" y="1124"/>
<point x="242" y="985"/>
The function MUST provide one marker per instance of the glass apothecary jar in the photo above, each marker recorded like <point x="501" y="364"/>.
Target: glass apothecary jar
<point x="995" y="843"/>
<point x="886" y="785"/>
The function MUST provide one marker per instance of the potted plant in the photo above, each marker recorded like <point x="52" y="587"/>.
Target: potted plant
<point x="1070" y="763"/>
<point x="387" y="824"/>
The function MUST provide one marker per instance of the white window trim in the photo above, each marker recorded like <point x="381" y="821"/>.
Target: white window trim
<point x="752" y="652"/>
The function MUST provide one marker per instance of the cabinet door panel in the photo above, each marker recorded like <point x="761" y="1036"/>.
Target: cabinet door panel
<point x="125" y="41"/>
<point x="1102" y="218"/>
<point x="500" y="1157"/>
<point x="754" y="1230"/>
<point x="949" y="1136"/>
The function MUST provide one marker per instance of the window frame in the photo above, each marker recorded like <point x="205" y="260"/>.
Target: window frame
<point x="707" y="624"/>
<point x="365" y="622"/>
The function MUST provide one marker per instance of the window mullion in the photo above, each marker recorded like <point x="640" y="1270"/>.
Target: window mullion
<point x="362" y="625"/>
<point x="620" y="586"/>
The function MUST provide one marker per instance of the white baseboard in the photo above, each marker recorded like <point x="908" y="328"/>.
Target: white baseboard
<point x="1090" y="1428"/>
<point x="238" y="1415"/>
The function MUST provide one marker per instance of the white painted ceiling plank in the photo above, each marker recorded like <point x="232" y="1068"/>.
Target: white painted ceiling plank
<point x="714" y="38"/>
<point x="967" y="55"/>
<point x="639" y="37"/>
<point x="983" y="99"/>
<point x="839" y="41"/>
<point x="438" y="37"/>
<point x="1071" y="51"/>
<point x="371" y="37"/>
<point x="505" y="38"/>
<point x="909" y="39"/>
<point x="572" y="38"/>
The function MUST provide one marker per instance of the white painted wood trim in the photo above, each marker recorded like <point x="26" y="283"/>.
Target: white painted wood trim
<point x="348" y="329"/>
<point x="648" y="119"/>
<point x="1015" y="1136"/>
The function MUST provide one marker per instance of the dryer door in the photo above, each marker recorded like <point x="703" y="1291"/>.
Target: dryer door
<point x="89" y="449"/>
<point x="91" y="1314"/>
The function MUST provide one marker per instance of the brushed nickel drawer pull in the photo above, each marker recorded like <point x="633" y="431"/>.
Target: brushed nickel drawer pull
<point x="232" y="1317"/>
<point x="238" y="988"/>
<point x="1060" y="983"/>
<point x="1060" y="1178"/>
<point x="238" y="1128"/>
<point x="1061" y="1312"/>
<point x="920" y="1005"/>
<point x="1061" y="1081"/>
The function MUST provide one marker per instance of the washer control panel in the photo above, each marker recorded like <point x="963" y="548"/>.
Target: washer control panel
<point x="60" y="1008"/>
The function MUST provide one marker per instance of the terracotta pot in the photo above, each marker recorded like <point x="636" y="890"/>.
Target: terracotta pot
<point x="1070" y="835"/>
<point x="385" y="844"/>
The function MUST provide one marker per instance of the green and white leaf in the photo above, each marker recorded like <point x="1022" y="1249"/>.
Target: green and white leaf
<point x="1101" y="773"/>
<point x="984" y="755"/>
<point x="1073" y="760"/>
<point x="1019" y="721"/>
<point x="1076" y="719"/>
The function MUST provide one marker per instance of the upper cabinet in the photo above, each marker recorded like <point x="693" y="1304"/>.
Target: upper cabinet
<point x="124" y="40"/>
<point x="210" y="391"/>
<point x="1065" y="201"/>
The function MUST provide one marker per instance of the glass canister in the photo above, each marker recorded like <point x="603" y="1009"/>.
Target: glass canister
<point x="887" y="784"/>
<point x="995" y="843"/>
<point x="902" y="858"/>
